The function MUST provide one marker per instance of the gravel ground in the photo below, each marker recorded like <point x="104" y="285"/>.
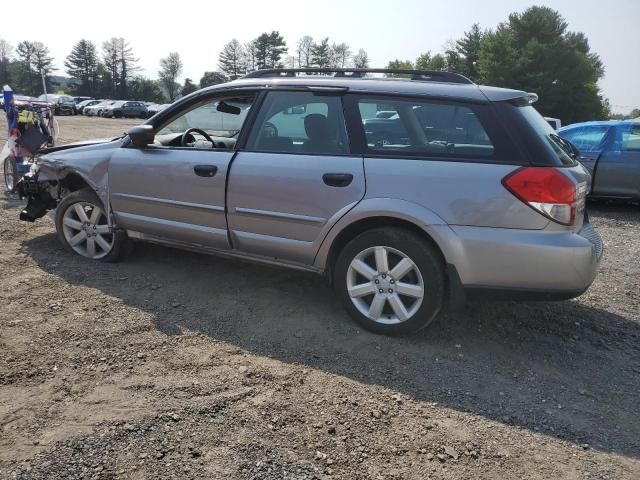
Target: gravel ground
<point x="178" y="365"/>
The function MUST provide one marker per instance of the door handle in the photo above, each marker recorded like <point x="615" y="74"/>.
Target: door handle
<point x="337" y="179"/>
<point x="205" y="170"/>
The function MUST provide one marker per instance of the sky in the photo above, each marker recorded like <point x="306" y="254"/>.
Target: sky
<point x="385" y="29"/>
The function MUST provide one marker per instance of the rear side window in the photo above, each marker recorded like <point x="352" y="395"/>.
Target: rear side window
<point x="299" y="122"/>
<point x="587" y="138"/>
<point x="417" y="127"/>
<point x="631" y="139"/>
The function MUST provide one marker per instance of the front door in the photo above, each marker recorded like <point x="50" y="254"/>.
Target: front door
<point x="294" y="179"/>
<point x="175" y="189"/>
<point x="618" y="170"/>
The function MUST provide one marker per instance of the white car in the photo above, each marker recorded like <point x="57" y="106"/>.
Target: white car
<point x="96" y="110"/>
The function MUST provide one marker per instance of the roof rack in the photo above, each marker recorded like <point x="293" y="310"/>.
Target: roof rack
<point x="422" y="75"/>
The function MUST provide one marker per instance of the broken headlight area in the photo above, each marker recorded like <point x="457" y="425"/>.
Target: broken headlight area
<point x="42" y="195"/>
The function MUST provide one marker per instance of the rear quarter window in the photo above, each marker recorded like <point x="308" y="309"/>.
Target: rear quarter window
<point x="536" y="139"/>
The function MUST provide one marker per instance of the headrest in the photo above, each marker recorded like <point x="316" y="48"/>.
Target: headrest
<point x="316" y="126"/>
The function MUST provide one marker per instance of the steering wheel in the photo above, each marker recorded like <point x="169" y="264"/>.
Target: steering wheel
<point x="186" y="134"/>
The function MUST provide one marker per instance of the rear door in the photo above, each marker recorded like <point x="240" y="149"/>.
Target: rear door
<point x="294" y="178"/>
<point x="618" y="170"/>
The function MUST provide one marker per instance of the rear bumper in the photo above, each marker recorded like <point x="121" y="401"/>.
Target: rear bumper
<point x="523" y="263"/>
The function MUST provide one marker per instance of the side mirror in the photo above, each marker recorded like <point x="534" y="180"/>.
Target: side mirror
<point x="142" y="135"/>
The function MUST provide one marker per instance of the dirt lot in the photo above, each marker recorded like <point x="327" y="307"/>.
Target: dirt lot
<point x="178" y="365"/>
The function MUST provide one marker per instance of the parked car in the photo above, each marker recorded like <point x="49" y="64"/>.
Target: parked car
<point x="127" y="109"/>
<point x="98" y="108"/>
<point x="82" y="99"/>
<point x="610" y="150"/>
<point x="291" y="176"/>
<point x="154" y="108"/>
<point x="63" y="104"/>
<point x="86" y="103"/>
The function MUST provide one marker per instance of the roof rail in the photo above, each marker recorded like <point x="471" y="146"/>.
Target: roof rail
<point x="423" y="75"/>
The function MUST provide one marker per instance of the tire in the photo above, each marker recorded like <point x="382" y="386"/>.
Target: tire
<point x="423" y="274"/>
<point x="117" y="114"/>
<point x="70" y="225"/>
<point x="11" y="176"/>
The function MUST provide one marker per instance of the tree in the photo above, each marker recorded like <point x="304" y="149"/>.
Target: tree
<point x="534" y="52"/>
<point x="127" y="65"/>
<point x="361" y="59"/>
<point x="188" y="87"/>
<point x="6" y="51"/>
<point x="147" y="90"/>
<point x="25" y="51"/>
<point x="42" y="62"/>
<point x="212" y="78"/>
<point x="232" y="60"/>
<point x="120" y="62"/>
<point x="321" y="54"/>
<point x="304" y="51"/>
<point x="250" y="51"/>
<point x="82" y="63"/>
<point x="428" y="62"/>
<point x="340" y="55"/>
<point x="170" y="70"/>
<point x="399" y="65"/>
<point x="469" y="49"/>
<point x="267" y="50"/>
<point x="111" y="65"/>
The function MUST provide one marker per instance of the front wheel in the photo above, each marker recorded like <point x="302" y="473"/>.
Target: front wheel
<point x="82" y="226"/>
<point x="390" y="280"/>
<point x="10" y="173"/>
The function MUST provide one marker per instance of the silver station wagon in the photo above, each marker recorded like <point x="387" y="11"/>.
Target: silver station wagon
<point x="407" y="193"/>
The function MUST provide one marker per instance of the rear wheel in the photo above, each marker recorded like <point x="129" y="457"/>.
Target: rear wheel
<point x="82" y="226"/>
<point x="10" y="173"/>
<point x="390" y="280"/>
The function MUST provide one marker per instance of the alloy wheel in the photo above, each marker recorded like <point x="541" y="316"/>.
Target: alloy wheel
<point x="385" y="285"/>
<point x="86" y="230"/>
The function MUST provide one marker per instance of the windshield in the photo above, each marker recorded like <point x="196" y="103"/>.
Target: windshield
<point x="542" y="128"/>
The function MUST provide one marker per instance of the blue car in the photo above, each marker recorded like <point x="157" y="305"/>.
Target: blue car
<point x="610" y="150"/>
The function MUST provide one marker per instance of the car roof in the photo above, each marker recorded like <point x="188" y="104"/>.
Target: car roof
<point x="382" y="85"/>
<point x="600" y="123"/>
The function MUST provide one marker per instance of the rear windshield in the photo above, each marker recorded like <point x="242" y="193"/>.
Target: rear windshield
<point x="557" y="146"/>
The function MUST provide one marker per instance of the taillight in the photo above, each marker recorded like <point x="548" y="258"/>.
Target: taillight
<point x="546" y="190"/>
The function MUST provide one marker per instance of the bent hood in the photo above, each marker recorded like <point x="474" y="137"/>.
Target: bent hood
<point x="90" y="161"/>
<point x="82" y="143"/>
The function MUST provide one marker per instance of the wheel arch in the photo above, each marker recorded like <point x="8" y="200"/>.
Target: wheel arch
<point x="380" y="212"/>
<point x="368" y="223"/>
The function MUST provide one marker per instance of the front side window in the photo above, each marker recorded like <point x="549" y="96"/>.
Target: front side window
<point x="299" y="122"/>
<point x="423" y="127"/>
<point x="221" y="118"/>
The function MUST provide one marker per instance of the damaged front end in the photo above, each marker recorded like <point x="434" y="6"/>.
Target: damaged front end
<point x="62" y="170"/>
<point x="42" y="194"/>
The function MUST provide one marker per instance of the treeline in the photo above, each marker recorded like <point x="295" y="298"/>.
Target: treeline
<point x="269" y="50"/>
<point x="531" y="51"/>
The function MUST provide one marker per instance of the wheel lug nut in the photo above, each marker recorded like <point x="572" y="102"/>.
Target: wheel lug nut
<point x="384" y="276"/>
<point x="377" y="281"/>
<point x="390" y="291"/>
<point x="392" y="281"/>
<point x="381" y="291"/>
